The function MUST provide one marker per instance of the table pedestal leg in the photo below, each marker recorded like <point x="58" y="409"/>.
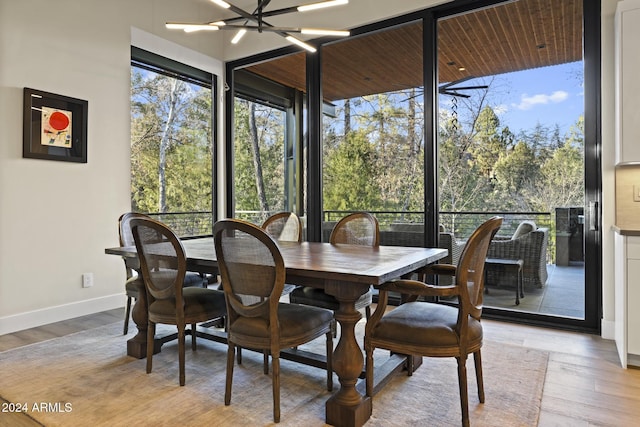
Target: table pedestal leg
<point x="137" y="346"/>
<point x="347" y="407"/>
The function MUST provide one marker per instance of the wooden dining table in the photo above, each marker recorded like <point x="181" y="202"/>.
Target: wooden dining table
<point x="344" y="271"/>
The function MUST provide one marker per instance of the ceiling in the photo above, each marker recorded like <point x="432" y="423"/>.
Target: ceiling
<point x="514" y="36"/>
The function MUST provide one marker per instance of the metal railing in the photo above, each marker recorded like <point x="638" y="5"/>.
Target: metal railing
<point x="462" y="224"/>
<point x="187" y="224"/>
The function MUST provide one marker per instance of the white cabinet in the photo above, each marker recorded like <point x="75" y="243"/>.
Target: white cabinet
<point x="627" y="62"/>
<point x="627" y="298"/>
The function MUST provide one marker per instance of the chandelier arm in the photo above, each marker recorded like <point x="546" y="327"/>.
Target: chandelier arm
<point x="273" y="29"/>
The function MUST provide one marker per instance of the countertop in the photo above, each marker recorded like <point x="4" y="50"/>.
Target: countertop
<point x="626" y="231"/>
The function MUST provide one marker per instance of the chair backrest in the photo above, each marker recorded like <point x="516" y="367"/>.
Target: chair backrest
<point x="252" y="269"/>
<point x="124" y="227"/>
<point x="359" y="228"/>
<point x="470" y="269"/>
<point x="284" y="226"/>
<point x="126" y="238"/>
<point x="162" y="260"/>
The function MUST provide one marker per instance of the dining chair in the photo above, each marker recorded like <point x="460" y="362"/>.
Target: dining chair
<point x="418" y="328"/>
<point x="251" y="264"/>
<point x="284" y="226"/>
<point x="359" y="228"/>
<point x="134" y="282"/>
<point x="163" y="266"/>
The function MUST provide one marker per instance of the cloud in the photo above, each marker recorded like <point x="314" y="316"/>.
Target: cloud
<point x="528" y="102"/>
<point x="500" y="109"/>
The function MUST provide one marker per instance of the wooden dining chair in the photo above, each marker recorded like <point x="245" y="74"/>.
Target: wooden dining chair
<point x="359" y="228"/>
<point x="284" y="226"/>
<point x="419" y="328"/>
<point x="251" y="264"/>
<point x="134" y="283"/>
<point x="163" y="266"/>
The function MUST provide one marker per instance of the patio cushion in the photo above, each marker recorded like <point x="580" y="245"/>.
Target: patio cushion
<point x="523" y="228"/>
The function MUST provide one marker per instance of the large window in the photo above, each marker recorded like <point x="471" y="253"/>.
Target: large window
<point x="267" y="148"/>
<point x="373" y="143"/>
<point x="172" y="143"/>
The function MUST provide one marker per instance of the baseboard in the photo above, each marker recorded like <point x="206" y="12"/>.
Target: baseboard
<point x="32" y="319"/>
<point x="608" y="329"/>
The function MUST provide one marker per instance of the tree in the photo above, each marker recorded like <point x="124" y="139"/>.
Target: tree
<point x="515" y="171"/>
<point x="489" y="143"/>
<point x="562" y="183"/>
<point x="258" y="157"/>
<point x="462" y="187"/>
<point x="350" y="175"/>
<point x="171" y="150"/>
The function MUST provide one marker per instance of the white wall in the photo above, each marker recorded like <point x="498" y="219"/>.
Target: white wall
<point x="56" y="218"/>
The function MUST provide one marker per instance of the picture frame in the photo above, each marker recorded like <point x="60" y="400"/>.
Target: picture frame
<point x="54" y="127"/>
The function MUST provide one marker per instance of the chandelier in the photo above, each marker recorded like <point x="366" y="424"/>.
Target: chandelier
<point x="254" y="21"/>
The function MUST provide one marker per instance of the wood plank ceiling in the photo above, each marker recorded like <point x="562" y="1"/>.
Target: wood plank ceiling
<point x="514" y="36"/>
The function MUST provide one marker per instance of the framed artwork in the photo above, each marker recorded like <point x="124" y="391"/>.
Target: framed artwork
<point x="54" y="127"/>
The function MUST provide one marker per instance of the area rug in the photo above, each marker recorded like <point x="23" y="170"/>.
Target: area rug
<point x="86" y="379"/>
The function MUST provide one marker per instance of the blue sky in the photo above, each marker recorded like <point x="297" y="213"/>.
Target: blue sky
<point x="546" y="95"/>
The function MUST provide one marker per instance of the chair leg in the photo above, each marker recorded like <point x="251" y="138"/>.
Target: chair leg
<point x="151" y="333"/>
<point x="462" y="382"/>
<point x="478" y="363"/>
<point x="368" y="372"/>
<point x="127" y="314"/>
<point x="239" y="351"/>
<point x="193" y="336"/>
<point x="265" y="361"/>
<point x="181" y="352"/>
<point x="410" y="367"/>
<point x="275" y="361"/>
<point x="230" y="361"/>
<point x="329" y="361"/>
<point x="367" y="312"/>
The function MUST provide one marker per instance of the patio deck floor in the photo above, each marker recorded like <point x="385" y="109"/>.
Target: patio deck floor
<point x="563" y="294"/>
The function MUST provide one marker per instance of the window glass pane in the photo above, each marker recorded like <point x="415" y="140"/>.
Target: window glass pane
<point x="171" y="150"/>
<point x="259" y="160"/>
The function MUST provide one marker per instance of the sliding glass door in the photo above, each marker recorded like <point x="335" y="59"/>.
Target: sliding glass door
<point x="512" y="142"/>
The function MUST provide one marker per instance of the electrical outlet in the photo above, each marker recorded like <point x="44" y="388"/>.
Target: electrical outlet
<point x="636" y="193"/>
<point x="87" y="280"/>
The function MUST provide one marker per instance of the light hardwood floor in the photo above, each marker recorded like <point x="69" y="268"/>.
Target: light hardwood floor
<point x="584" y="386"/>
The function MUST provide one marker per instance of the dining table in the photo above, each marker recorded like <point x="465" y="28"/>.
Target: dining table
<point x="342" y="270"/>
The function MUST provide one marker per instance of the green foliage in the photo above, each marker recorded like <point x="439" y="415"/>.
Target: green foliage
<point x="169" y="110"/>
<point x="350" y="175"/>
<point x="270" y="125"/>
<point x="375" y="161"/>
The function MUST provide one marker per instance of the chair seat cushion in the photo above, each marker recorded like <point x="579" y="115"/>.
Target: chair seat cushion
<point x="190" y="279"/>
<point x="318" y="298"/>
<point x="425" y="324"/>
<point x="295" y="321"/>
<point x="198" y="303"/>
<point x="133" y="285"/>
